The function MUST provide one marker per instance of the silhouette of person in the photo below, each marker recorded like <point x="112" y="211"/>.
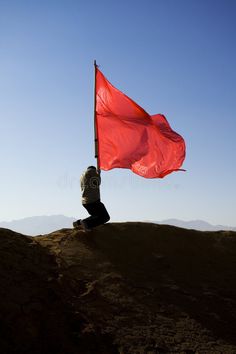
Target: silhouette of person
<point x="90" y="187"/>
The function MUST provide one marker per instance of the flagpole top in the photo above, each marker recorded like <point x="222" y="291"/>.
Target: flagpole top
<point x="95" y="63"/>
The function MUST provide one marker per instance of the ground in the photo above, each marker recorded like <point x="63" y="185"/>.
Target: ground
<point x="124" y="288"/>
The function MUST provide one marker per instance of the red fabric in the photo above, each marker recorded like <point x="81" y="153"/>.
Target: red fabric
<point x="128" y="137"/>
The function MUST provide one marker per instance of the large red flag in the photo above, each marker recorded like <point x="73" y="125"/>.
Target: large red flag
<point x="128" y="137"/>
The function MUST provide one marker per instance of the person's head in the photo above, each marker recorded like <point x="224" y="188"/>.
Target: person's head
<point x="91" y="167"/>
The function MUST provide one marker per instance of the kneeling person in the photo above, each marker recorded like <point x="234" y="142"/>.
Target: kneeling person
<point x="90" y="186"/>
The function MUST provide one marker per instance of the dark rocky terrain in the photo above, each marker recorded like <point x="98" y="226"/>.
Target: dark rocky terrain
<point x="124" y="288"/>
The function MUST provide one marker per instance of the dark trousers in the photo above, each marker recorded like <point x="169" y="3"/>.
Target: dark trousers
<point x="98" y="214"/>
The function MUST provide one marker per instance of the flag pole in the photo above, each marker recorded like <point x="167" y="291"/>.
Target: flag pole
<point x="95" y="120"/>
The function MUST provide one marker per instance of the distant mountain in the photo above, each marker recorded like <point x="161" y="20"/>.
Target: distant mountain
<point x="195" y="225"/>
<point x="39" y="225"/>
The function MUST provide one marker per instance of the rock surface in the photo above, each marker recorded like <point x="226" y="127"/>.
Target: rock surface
<point x="124" y="288"/>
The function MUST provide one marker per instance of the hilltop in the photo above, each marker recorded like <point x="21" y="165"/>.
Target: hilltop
<point x="125" y="288"/>
<point x="44" y="224"/>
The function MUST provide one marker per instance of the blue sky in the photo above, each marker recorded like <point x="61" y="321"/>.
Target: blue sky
<point x="175" y="57"/>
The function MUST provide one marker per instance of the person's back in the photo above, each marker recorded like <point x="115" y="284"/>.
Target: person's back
<point x="90" y="187"/>
<point x="90" y="182"/>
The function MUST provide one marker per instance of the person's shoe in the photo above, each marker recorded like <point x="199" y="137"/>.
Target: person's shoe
<point x="77" y="224"/>
<point x="85" y="226"/>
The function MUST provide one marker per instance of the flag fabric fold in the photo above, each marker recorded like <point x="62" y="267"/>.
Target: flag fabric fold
<point x="128" y="137"/>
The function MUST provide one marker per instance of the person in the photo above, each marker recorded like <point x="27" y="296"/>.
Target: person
<point x="90" y="182"/>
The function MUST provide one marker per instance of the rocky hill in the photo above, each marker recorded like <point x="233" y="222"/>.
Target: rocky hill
<point x="124" y="288"/>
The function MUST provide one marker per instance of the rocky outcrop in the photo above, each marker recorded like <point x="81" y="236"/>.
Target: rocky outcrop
<point x="125" y="288"/>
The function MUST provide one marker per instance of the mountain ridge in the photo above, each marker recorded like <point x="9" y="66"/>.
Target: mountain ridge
<point x="36" y="225"/>
<point x="197" y="224"/>
<point x="44" y="224"/>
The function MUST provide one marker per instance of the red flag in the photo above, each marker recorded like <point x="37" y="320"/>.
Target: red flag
<point x="128" y="137"/>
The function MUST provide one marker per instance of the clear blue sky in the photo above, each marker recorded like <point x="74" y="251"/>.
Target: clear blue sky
<point x="175" y="57"/>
